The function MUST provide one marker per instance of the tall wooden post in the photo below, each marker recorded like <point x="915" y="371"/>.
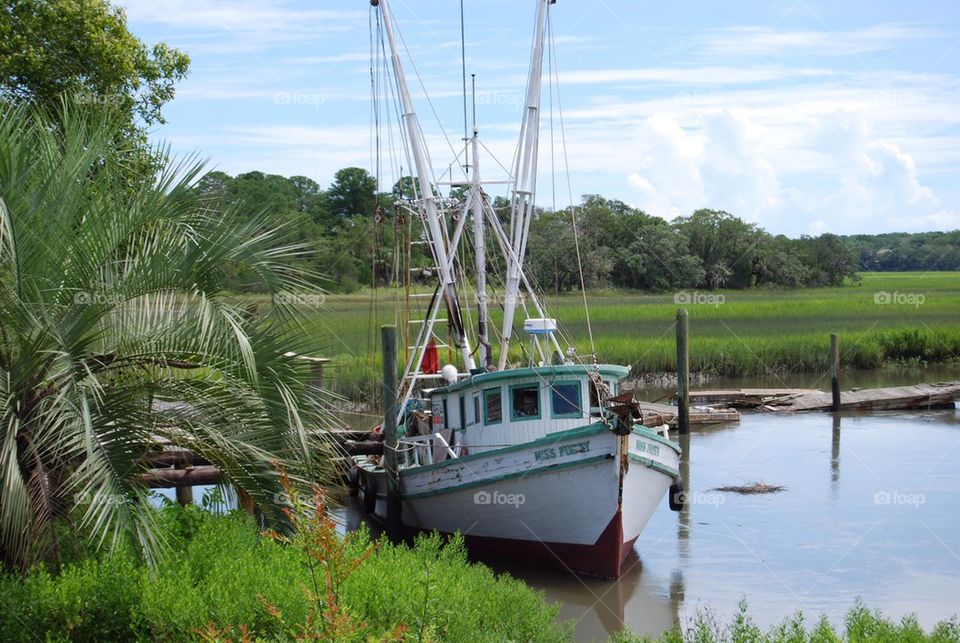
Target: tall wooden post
<point x="683" y="371"/>
<point x="388" y="336"/>
<point x="835" y="370"/>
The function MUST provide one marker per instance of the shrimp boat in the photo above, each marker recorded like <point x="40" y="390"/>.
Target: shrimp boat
<point x="541" y="459"/>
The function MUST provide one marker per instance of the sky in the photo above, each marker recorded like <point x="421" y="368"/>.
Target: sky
<point x="799" y="115"/>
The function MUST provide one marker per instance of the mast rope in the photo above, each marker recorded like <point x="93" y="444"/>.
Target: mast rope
<point x="555" y="79"/>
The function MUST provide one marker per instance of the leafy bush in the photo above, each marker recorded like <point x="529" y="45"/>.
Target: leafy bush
<point x="222" y="577"/>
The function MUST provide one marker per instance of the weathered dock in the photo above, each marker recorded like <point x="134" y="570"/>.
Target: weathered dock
<point x="898" y="398"/>
<point x="920" y="396"/>
<point x="743" y="398"/>
<point x="653" y="414"/>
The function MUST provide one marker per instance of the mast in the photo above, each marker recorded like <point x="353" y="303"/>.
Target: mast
<point x="525" y="180"/>
<point x="429" y="210"/>
<point x="480" y="247"/>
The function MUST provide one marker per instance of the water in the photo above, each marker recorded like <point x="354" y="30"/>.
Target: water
<point x="870" y="510"/>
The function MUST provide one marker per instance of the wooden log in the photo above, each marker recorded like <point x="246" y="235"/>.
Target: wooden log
<point x="184" y="496"/>
<point x="166" y="478"/>
<point x="174" y="458"/>
<point x="350" y="434"/>
<point x="362" y="448"/>
<point x="683" y="371"/>
<point x="835" y="371"/>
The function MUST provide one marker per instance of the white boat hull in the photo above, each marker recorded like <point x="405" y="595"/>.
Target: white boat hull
<point x="577" y="499"/>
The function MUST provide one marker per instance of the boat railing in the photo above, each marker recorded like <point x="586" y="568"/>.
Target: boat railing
<point x="421" y="450"/>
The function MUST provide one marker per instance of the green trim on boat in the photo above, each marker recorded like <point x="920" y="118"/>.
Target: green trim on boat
<point x="550" y="468"/>
<point x="618" y="372"/>
<point x="656" y="437"/>
<point x="553" y="438"/>
<point x="653" y="464"/>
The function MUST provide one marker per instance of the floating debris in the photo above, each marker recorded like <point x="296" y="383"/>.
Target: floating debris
<point x="756" y="487"/>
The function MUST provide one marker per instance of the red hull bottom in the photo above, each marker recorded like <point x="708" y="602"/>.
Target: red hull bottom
<point x="603" y="559"/>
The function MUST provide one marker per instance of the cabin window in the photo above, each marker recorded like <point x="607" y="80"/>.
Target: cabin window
<point x="476" y="409"/>
<point x="492" y="406"/>
<point x="566" y="399"/>
<point x="446" y="415"/>
<point x="595" y="396"/>
<point x="463" y="414"/>
<point x="525" y="402"/>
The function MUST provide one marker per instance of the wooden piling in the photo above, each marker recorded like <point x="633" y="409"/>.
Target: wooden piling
<point x="185" y="495"/>
<point x="388" y="335"/>
<point x="835" y="371"/>
<point x="683" y="371"/>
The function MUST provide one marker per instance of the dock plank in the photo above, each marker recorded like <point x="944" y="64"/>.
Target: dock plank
<point x="920" y="396"/>
<point x="743" y="398"/>
<point x="655" y="414"/>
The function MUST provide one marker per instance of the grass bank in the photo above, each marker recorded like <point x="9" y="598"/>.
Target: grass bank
<point x="222" y="581"/>
<point x="888" y="318"/>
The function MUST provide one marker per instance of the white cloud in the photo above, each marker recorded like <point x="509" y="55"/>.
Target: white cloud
<point x="233" y="15"/>
<point x="877" y="183"/>
<point x="696" y="75"/>
<point x="764" y="41"/>
<point x="667" y="178"/>
<point x="721" y="164"/>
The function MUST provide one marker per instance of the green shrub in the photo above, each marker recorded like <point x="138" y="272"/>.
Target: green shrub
<point x="221" y="575"/>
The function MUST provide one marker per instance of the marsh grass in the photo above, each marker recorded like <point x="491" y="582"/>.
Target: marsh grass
<point x="886" y="319"/>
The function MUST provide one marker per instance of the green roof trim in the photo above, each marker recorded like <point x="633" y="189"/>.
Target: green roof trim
<point x="546" y="372"/>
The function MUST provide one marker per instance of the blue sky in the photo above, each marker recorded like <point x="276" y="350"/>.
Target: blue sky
<point x="802" y="116"/>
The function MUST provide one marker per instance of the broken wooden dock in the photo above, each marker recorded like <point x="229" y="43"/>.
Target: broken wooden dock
<point x="898" y="398"/>
<point x="653" y="414"/>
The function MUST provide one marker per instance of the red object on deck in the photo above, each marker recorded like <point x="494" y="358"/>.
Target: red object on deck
<point x="431" y="360"/>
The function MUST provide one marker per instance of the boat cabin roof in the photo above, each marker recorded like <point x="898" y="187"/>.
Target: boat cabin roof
<point x="610" y="371"/>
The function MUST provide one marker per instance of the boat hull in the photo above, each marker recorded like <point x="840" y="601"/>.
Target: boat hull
<point x="576" y="500"/>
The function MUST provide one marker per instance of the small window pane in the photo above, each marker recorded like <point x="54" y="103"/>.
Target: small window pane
<point x="476" y="409"/>
<point x="566" y="399"/>
<point x="494" y="406"/>
<point x="526" y="402"/>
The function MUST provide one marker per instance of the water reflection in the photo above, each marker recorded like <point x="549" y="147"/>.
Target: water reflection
<point x="683" y="521"/>
<point x="835" y="455"/>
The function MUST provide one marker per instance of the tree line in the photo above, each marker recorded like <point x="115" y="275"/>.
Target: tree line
<point x="353" y="230"/>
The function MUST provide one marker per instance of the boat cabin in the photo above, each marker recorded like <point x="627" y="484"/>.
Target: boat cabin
<point x="494" y="409"/>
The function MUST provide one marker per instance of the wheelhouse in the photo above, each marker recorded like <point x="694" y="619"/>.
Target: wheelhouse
<point x="488" y="410"/>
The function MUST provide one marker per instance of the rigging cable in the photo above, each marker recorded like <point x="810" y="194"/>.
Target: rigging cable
<point x="573" y="206"/>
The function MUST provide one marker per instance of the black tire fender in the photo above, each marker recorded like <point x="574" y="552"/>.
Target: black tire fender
<point x="678" y="495"/>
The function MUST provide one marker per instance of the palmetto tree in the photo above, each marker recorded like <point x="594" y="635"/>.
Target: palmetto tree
<point x="115" y="335"/>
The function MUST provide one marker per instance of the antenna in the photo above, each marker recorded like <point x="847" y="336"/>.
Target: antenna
<point x="463" y="63"/>
<point x="473" y="81"/>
